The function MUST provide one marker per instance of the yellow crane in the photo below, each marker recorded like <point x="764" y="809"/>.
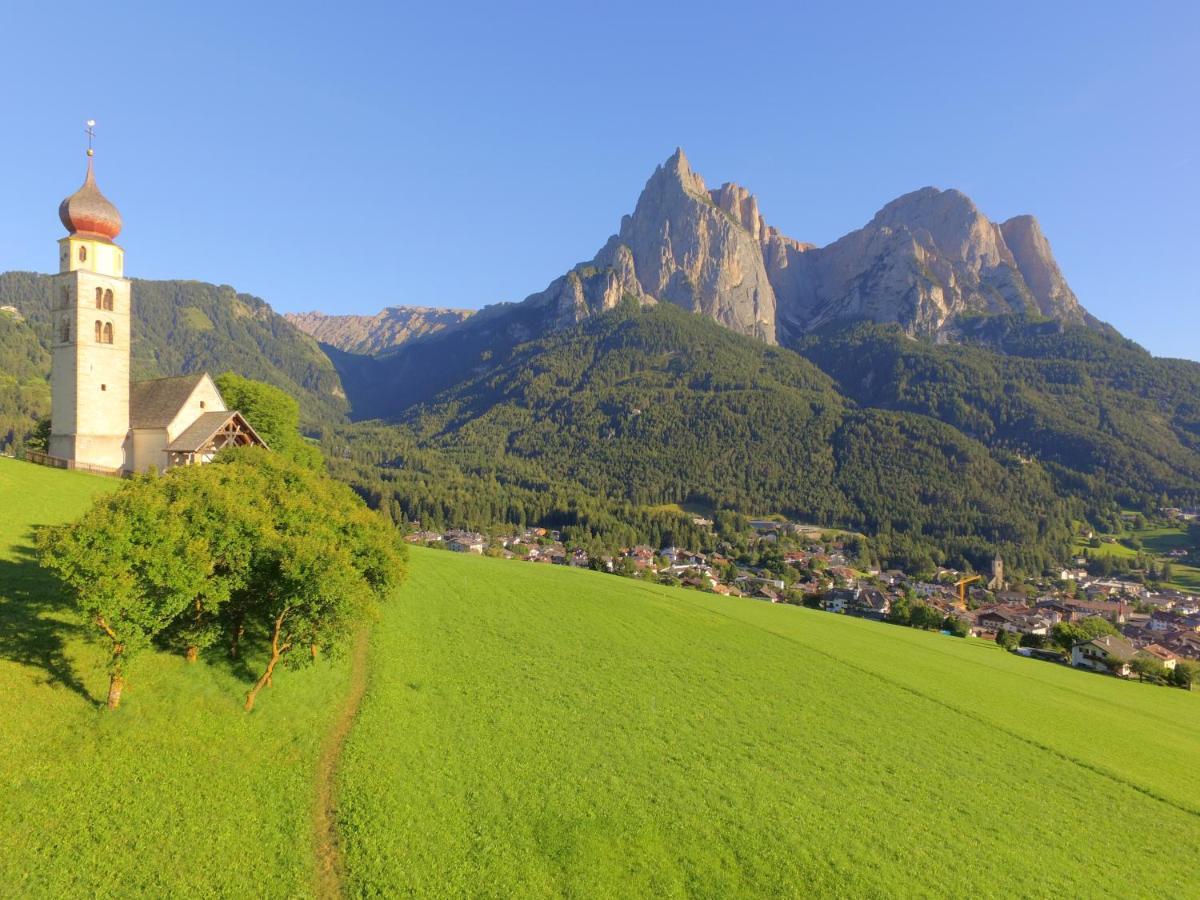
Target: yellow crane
<point x="961" y="584"/>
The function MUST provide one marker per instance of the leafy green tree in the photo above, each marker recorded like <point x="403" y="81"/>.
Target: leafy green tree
<point x="1185" y="673"/>
<point x="272" y="413"/>
<point x="322" y="566"/>
<point x="1148" y="668"/>
<point x="956" y="625"/>
<point x="133" y="566"/>
<point x="1007" y="639"/>
<point x="901" y="610"/>
<point x="925" y="616"/>
<point x="211" y="501"/>
<point x="1068" y="634"/>
<point x="39" y="439"/>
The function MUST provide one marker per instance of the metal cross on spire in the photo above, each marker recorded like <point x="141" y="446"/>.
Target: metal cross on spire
<point x="91" y="133"/>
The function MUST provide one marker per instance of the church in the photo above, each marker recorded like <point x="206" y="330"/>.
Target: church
<point x="99" y="419"/>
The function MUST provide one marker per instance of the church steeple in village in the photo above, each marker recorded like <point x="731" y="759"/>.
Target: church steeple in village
<point x="90" y="376"/>
<point x="98" y="419"/>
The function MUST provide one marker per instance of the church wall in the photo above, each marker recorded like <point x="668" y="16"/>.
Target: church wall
<point x="149" y="448"/>
<point x="97" y="256"/>
<point x="204" y="398"/>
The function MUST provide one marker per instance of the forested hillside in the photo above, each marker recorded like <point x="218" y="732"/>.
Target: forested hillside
<point x="654" y="405"/>
<point x="24" y="389"/>
<point x="1108" y="420"/>
<point x="179" y="327"/>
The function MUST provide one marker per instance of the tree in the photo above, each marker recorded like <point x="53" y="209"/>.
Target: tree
<point x="901" y="610"/>
<point x="320" y="567"/>
<point x="39" y="438"/>
<point x="1185" y="673"/>
<point x="1068" y="634"/>
<point x="924" y="616"/>
<point x="956" y="626"/>
<point x="133" y="566"/>
<point x="254" y="545"/>
<point x="1007" y="639"/>
<point x="1148" y="668"/>
<point x="272" y="413"/>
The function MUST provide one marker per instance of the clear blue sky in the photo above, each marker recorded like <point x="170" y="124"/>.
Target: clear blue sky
<point x="348" y="156"/>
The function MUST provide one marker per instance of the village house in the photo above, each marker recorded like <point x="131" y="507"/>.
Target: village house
<point x="465" y="542"/>
<point x="840" y="599"/>
<point x="869" y="603"/>
<point x="424" y="537"/>
<point x="1104" y="654"/>
<point x="1161" y="654"/>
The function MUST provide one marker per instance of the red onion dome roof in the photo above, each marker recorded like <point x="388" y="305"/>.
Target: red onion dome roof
<point x="88" y="212"/>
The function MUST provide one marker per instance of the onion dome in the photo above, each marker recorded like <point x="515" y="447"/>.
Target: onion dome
<point x="87" y="212"/>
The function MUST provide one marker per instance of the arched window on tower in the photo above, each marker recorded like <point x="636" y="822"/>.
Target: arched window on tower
<point x="108" y="333"/>
<point x="99" y="298"/>
<point x="82" y="253"/>
<point x="108" y="299"/>
<point x="66" y="298"/>
<point x="99" y="331"/>
<point x="64" y="329"/>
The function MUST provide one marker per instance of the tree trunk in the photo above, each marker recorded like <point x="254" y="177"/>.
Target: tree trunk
<point x="277" y="650"/>
<point x="314" y="650"/>
<point x="116" y="684"/>
<point x="193" y="653"/>
<point x="116" y="681"/>
<point x="237" y="639"/>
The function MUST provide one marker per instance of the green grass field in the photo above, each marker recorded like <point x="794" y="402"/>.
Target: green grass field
<point x="1156" y="540"/>
<point x="538" y="731"/>
<point x="178" y="792"/>
<point x="532" y="730"/>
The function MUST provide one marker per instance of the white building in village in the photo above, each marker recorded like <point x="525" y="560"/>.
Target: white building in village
<point x="99" y="419"/>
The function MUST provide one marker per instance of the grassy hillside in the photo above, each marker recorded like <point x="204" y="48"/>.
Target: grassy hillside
<point x="536" y="731"/>
<point x="178" y="792"/>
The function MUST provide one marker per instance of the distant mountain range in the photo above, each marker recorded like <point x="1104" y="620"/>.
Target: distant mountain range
<point x="924" y="261"/>
<point x="377" y="334"/>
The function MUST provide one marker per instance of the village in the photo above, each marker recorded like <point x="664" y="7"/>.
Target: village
<point x="1115" y="625"/>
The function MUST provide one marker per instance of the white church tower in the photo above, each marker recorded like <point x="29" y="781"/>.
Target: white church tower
<point x="90" y="375"/>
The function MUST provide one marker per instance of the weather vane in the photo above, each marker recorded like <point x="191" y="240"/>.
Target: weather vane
<point x="91" y="133"/>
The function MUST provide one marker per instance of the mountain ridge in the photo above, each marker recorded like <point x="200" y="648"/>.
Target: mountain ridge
<point x="379" y="333"/>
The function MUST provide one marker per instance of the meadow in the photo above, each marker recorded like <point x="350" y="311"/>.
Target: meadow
<point x="1156" y="540"/>
<point x="176" y="793"/>
<point x="538" y="731"/>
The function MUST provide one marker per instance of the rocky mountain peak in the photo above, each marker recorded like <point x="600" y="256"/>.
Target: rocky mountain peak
<point x="925" y="259"/>
<point x="948" y="221"/>
<point x="1033" y="257"/>
<point x="679" y="246"/>
<point x="673" y="177"/>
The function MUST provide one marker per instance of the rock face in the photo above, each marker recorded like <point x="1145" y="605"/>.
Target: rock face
<point x="1031" y="251"/>
<point x="373" y="335"/>
<point x="680" y="246"/>
<point x="925" y="259"/>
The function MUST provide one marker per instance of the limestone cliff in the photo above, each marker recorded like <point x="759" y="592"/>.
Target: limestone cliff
<point x="923" y="260"/>
<point x="679" y="246"/>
